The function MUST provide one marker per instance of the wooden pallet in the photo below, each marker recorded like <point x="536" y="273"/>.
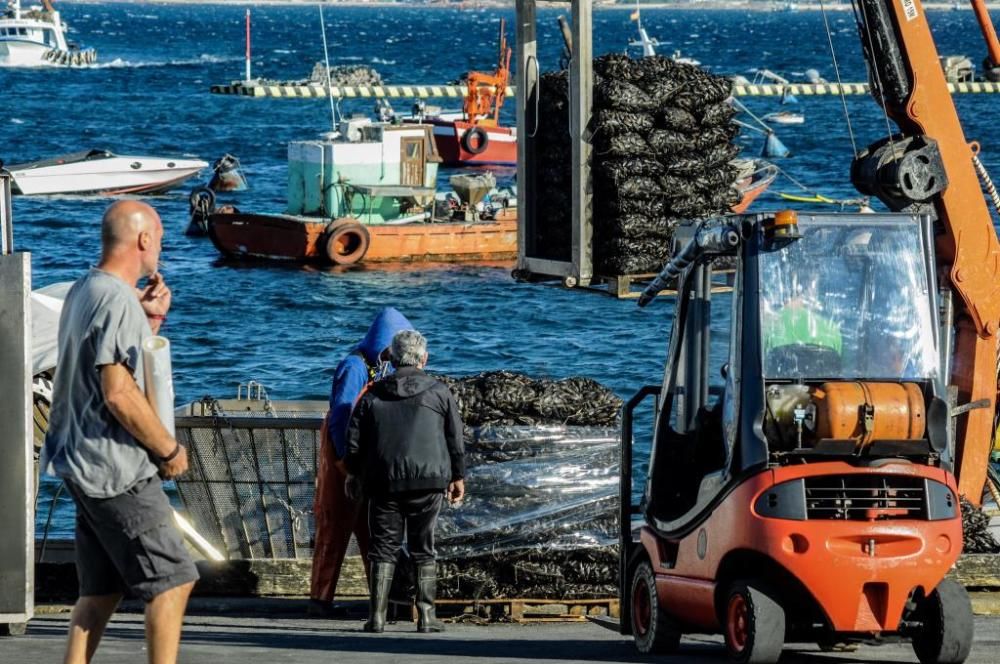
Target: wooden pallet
<point x="519" y="610"/>
<point x="630" y="286"/>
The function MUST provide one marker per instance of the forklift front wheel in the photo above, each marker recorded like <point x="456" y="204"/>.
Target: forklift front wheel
<point x="655" y="632"/>
<point x="945" y="636"/>
<point x="754" y="624"/>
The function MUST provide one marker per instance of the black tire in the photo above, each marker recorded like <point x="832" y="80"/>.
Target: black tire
<point x="477" y="146"/>
<point x="753" y="623"/>
<point x="947" y="624"/>
<point x="347" y="242"/>
<point x="202" y="198"/>
<point x="654" y="631"/>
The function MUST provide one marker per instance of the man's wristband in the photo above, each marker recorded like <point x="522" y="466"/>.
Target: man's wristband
<point x="173" y="455"/>
<point x="156" y="317"/>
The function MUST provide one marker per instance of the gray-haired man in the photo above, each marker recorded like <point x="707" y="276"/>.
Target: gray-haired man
<point x="405" y="443"/>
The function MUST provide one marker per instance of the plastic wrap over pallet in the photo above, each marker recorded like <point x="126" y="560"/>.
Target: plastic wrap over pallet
<point x="534" y="487"/>
<point x="251" y="484"/>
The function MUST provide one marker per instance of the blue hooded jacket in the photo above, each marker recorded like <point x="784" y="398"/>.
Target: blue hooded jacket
<point x="356" y="370"/>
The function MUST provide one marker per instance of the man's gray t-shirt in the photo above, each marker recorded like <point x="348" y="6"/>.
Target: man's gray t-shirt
<point x="102" y="323"/>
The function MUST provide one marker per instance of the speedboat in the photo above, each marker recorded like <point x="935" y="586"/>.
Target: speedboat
<point x="785" y="118"/>
<point x="37" y="37"/>
<point x="102" y="172"/>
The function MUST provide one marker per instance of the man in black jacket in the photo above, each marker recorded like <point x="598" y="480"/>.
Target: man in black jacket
<point x="404" y="442"/>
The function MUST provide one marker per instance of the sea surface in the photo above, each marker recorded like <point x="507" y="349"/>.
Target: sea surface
<point x="287" y="326"/>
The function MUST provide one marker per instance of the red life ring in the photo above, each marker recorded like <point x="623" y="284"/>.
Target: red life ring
<point x="347" y="242"/>
<point x="477" y="146"/>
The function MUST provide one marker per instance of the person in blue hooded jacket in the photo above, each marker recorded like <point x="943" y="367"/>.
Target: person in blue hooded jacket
<point x="336" y="516"/>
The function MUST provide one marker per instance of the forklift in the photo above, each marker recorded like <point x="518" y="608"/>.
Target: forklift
<point x="798" y="487"/>
<point x="815" y="428"/>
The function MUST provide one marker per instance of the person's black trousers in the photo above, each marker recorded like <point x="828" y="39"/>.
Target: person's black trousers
<point x="413" y="513"/>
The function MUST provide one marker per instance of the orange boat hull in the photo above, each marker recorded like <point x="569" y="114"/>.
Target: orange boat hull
<point x="278" y="237"/>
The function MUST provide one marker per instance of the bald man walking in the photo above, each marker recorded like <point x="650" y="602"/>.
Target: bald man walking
<point x="107" y="444"/>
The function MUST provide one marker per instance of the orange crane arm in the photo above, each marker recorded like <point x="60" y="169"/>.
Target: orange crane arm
<point x="912" y="88"/>
<point x="989" y="33"/>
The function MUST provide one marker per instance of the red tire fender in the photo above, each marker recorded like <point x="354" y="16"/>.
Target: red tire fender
<point x="477" y="146"/>
<point x="346" y="241"/>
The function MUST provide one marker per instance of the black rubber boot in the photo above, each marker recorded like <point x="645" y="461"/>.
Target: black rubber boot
<point x="427" y="621"/>
<point x="378" y="603"/>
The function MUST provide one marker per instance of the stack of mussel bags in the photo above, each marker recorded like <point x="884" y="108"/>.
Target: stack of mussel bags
<point x="663" y="139"/>
<point x="540" y="516"/>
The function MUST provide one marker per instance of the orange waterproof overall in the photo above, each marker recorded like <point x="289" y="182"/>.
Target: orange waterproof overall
<point x="336" y="518"/>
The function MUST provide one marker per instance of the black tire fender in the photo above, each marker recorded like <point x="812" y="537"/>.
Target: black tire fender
<point x="202" y="196"/>
<point x="477" y="146"/>
<point x="346" y="241"/>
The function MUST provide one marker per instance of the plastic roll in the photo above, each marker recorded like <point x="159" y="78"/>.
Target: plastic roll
<point x="159" y="379"/>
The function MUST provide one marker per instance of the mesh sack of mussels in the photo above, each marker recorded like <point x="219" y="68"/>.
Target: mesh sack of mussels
<point x="976" y="537"/>
<point x="663" y="136"/>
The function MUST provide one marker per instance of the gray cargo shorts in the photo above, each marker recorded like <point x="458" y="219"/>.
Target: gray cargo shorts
<point x="129" y="543"/>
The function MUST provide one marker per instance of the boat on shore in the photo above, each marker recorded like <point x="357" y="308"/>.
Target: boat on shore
<point x="36" y="37"/>
<point x="102" y="172"/>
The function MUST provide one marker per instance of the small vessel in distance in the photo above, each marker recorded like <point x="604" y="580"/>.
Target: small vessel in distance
<point x="476" y="137"/>
<point x="785" y="118"/>
<point x="102" y="172"/>
<point x="37" y="37"/>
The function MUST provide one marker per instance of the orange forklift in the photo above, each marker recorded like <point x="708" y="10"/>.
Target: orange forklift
<point x="812" y="435"/>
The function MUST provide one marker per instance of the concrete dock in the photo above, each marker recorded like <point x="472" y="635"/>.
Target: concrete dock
<point x="227" y="638"/>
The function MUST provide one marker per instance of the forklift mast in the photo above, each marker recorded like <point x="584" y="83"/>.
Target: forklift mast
<point x="929" y="167"/>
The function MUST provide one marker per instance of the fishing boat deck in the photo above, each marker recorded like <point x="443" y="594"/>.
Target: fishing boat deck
<point x="211" y="636"/>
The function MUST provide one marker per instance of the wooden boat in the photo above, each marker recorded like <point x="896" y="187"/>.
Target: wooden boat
<point x="346" y="241"/>
<point x="475" y="136"/>
<point x="463" y="143"/>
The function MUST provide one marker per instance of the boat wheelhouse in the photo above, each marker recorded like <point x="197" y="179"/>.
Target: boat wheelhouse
<point x="37" y="37"/>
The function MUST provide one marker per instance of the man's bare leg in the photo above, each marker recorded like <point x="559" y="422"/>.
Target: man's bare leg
<point x="86" y="626"/>
<point x="164" y="616"/>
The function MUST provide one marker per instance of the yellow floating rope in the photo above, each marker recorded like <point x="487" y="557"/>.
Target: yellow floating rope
<point x="815" y="198"/>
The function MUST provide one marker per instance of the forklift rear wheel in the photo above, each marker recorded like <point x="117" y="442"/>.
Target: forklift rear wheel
<point x="655" y="632"/>
<point x="946" y="633"/>
<point x="754" y="624"/>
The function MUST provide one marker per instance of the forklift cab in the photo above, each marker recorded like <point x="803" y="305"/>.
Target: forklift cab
<point x="801" y="425"/>
<point x="770" y="372"/>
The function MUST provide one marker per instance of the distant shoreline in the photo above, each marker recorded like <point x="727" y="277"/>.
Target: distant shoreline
<point x="695" y="5"/>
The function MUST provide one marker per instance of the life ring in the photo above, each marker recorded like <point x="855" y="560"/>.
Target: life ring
<point x="477" y="146"/>
<point x="347" y="242"/>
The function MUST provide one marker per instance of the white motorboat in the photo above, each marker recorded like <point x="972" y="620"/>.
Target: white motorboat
<point x="102" y="172"/>
<point x="785" y="118"/>
<point x="36" y="37"/>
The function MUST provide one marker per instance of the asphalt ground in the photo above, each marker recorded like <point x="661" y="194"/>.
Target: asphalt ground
<point x="283" y="638"/>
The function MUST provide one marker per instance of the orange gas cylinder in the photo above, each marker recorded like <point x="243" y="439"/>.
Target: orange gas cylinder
<point x="866" y="412"/>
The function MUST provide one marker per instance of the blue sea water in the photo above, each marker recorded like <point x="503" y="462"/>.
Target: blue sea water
<point x="288" y="326"/>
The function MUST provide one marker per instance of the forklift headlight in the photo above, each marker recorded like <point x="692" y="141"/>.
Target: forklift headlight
<point x="941" y="503"/>
<point x="783" y="501"/>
